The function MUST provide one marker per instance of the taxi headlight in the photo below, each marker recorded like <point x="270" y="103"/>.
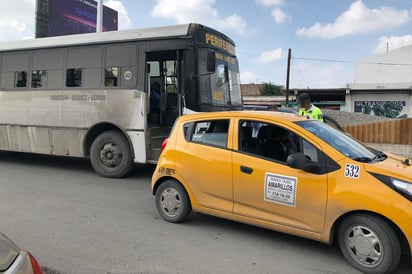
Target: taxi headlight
<point x="403" y="186"/>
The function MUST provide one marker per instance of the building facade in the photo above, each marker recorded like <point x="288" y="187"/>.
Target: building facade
<point x="382" y="87"/>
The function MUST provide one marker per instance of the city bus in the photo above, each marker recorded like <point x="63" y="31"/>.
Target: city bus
<point x="112" y="97"/>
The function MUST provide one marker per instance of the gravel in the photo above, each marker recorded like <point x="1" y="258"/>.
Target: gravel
<point x="352" y="118"/>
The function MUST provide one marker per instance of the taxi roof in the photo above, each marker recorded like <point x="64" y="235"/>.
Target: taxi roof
<point x="252" y="114"/>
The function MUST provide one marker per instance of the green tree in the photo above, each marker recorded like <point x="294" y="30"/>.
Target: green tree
<point x="269" y="89"/>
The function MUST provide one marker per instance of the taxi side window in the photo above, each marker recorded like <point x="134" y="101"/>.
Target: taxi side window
<point x="213" y="132"/>
<point x="310" y="151"/>
<point x="267" y="140"/>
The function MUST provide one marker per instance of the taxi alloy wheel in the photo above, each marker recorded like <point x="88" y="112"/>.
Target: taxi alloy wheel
<point x="172" y="202"/>
<point x="369" y="244"/>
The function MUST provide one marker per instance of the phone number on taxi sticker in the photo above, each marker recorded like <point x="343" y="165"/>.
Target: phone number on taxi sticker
<point x="352" y="171"/>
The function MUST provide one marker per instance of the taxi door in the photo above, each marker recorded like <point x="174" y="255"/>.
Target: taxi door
<point x="204" y="163"/>
<point x="270" y="191"/>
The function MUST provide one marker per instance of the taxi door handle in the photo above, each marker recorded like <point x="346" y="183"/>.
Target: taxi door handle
<point x="247" y="170"/>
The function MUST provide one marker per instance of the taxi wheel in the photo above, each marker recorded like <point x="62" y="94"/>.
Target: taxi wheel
<point x="172" y="202"/>
<point x="369" y="244"/>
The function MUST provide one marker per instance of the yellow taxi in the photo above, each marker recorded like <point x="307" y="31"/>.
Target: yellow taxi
<point x="287" y="173"/>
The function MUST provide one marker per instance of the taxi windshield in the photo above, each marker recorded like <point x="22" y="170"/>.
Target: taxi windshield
<point x="341" y="141"/>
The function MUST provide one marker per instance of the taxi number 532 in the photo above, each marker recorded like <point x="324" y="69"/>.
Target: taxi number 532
<point x="352" y="171"/>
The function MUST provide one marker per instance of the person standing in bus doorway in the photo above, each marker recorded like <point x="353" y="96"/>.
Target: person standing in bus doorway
<point x="155" y="95"/>
<point x="307" y="109"/>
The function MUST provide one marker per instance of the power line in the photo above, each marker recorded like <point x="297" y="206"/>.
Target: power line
<point x="301" y="74"/>
<point x="349" y="62"/>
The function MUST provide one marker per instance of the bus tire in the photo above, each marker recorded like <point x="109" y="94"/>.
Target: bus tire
<point x="110" y="155"/>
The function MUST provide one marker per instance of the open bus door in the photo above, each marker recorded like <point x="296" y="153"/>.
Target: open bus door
<point x="164" y="96"/>
<point x="163" y="86"/>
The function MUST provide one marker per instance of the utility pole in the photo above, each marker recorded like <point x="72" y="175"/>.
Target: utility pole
<point x="287" y="78"/>
<point x="99" y="21"/>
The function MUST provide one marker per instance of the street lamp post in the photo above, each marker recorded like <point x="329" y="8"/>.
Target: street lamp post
<point x="99" y="20"/>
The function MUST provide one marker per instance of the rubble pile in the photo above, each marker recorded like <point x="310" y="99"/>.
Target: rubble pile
<point x="352" y="118"/>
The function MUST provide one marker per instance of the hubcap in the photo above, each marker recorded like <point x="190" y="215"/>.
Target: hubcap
<point x="170" y="202"/>
<point x="111" y="155"/>
<point x="364" y="246"/>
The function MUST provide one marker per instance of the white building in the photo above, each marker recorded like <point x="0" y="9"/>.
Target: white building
<point x="383" y="83"/>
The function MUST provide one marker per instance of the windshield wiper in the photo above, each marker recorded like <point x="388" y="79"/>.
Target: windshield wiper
<point x="380" y="156"/>
<point x="363" y="159"/>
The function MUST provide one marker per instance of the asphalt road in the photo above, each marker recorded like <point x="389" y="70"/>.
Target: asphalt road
<point x="74" y="221"/>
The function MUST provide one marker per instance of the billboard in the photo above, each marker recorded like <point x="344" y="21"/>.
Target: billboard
<point x="65" y="17"/>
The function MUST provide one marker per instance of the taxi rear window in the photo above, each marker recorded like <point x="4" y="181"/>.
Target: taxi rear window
<point x="211" y="132"/>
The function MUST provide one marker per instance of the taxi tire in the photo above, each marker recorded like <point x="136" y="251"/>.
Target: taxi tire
<point x="117" y="142"/>
<point x="172" y="202"/>
<point x="369" y="228"/>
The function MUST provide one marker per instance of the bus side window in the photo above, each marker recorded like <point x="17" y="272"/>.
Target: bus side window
<point x="74" y="77"/>
<point x="38" y="78"/>
<point x="111" y="77"/>
<point x="20" y="79"/>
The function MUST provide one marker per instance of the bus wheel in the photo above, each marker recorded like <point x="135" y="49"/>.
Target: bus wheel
<point x="369" y="244"/>
<point x="110" y="155"/>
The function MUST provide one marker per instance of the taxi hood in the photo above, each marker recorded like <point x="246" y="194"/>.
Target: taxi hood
<point x="393" y="166"/>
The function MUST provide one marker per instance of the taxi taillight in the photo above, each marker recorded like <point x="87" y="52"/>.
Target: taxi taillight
<point x="35" y="265"/>
<point x="164" y="144"/>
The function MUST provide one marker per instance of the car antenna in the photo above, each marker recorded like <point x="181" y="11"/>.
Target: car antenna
<point x="406" y="162"/>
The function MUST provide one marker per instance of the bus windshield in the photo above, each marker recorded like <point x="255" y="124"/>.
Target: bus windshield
<point x="225" y="82"/>
<point x="222" y="87"/>
<point x="219" y="87"/>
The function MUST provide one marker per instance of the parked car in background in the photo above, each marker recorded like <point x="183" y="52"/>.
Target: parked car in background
<point x="14" y="260"/>
<point x="284" y="172"/>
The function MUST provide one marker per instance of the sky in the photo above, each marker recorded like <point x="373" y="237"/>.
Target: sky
<point x="326" y="37"/>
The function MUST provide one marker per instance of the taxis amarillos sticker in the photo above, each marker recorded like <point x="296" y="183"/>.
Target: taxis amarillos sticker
<point x="280" y="189"/>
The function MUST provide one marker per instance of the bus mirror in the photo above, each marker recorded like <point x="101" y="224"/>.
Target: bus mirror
<point x="226" y="74"/>
<point x="211" y="61"/>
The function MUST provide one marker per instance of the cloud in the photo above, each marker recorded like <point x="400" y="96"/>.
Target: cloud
<point x="305" y="75"/>
<point x="270" y="2"/>
<point x="124" y="19"/>
<point x="392" y="42"/>
<point x="198" y="11"/>
<point x="358" y="18"/>
<point x="247" y="77"/>
<point x="279" y="15"/>
<point x="14" y="22"/>
<point x="270" y="56"/>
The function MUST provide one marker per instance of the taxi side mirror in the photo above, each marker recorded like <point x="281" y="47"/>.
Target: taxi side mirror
<point x="301" y="161"/>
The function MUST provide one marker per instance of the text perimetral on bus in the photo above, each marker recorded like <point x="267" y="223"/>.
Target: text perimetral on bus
<point x="217" y="42"/>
